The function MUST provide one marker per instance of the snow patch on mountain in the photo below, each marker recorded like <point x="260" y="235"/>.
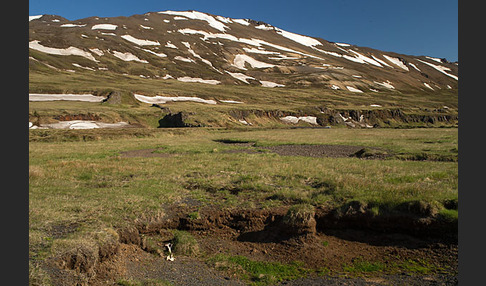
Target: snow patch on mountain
<point x="35" y="17"/>
<point x="303" y="40"/>
<point x="170" y="45"/>
<point x="240" y="76"/>
<point x="183" y="59"/>
<point x="440" y="69"/>
<point x="386" y="84"/>
<point x="366" y="59"/>
<point x="194" y="54"/>
<point x="68" y="97"/>
<point x="270" y="84"/>
<point x="199" y="16"/>
<point x="414" y="66"/>
<point x="72" y="25"/>
<point x="199" y="80"/>
<point x="258" y="51"/>
<point x="353" y="89"/>
<point x="128" y="57"/>
<point x="160" y="55"/>
<point x="208" y="35"/>
<point x="164" y="99"/>
<point x="97" y="51"/>
<point x="381" y="61"/>
<point x="139" y="41"/>
<point x="285" y="49"/>
<point x="242" y="22"/>
<point x="110" y="27"/>
<point x="435" y="59"/>
<point x="224" y="19"/>
<point x="264" y="27"/>
<point x="428" y="85"/>
<point x="83" y="124"/>
<point x="397" y="62"/>
<point x="71" y="51"/>
<point x="231" y="101"/>
<point x="241" y="59"/>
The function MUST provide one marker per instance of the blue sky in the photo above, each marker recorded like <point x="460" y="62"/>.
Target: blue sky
<point x="413" y="27"/>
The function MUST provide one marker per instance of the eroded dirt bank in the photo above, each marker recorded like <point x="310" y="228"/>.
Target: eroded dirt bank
<point x="413" y="248"/>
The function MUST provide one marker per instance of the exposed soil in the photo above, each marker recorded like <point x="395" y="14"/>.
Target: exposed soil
<point x="334" y="151"/>
<point x="263" y="235"/>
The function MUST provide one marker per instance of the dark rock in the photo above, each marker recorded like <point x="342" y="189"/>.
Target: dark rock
<point x="174" y="120"/>
<point x="113" y="97"/>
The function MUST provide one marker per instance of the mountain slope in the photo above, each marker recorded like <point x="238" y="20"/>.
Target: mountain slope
<point x="191" y="46"/>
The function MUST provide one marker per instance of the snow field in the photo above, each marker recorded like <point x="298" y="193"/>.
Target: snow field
<point x="241" y="59"/>
<point x="440" y="69"/>
<point x="128" y="57"/>
<point x="386" y="84"/>
<point x="240" y="76"/>
<point x="183" y="59"/>
<point x="110" y="27"/>
<point x="353" y="89"/>
<point x="199" y="80"/>
<point x="270" y="84"/>
<point x="295" y="120"/>
<point x="139" y="41"/>
<point x="68" y="97"/>
<point x="164" y="99"/>
<point x="397" y="62"/>
<point x="70" y="51"/>
<point x="303" y="40"/>
<point x="35" y="17"/>
<point x="79" y="124"/>
<point x="199" y="16"/>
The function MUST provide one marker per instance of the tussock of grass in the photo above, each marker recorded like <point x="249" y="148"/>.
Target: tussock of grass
<point x="299" y="214"/>
<point x="185" y="244"/>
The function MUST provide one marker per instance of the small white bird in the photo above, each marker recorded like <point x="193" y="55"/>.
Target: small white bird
<point x="169" y="257"/>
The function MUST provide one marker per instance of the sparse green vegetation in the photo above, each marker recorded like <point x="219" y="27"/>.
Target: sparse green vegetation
<point x="145" y="282"/>
<point x="363" y="266"/>
<point x="259" y="272"/>
<point x="185" y="244"/>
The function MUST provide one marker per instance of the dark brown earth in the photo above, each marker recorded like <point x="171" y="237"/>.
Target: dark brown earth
<point x="333" y="151"/>
<point x="260" y="235"/>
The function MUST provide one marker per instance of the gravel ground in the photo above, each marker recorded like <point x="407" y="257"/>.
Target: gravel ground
<point x="385" y="280"/>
